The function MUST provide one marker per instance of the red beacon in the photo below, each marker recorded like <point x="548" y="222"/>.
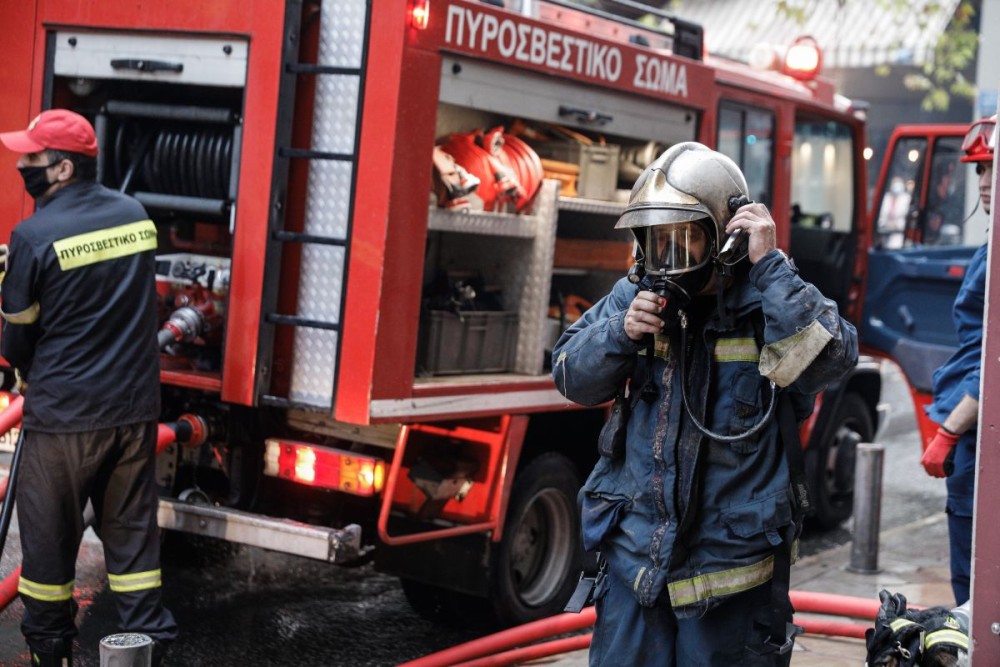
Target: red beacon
<point x="801" y="60"/>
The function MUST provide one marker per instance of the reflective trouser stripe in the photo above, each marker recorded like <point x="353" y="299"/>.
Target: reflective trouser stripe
<point x="140" y="581"/>
<point x="715" y="584"/>
<point x="46" y="592"/>
<point x="736" y="349"/>
<point x="946" y="636"/>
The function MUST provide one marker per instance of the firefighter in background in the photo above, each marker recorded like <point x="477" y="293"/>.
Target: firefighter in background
<point x="691" y="504"/>
<point x="79" y="309"/>
<point x="952" y="451"/>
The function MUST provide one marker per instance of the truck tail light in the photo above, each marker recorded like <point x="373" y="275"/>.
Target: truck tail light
<point x="324" y="467"/>
<point x="420" y="11"/>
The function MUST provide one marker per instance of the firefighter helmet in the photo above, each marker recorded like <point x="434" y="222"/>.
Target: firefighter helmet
<point x="688" y="185"/>
<point x="980" y="141"/>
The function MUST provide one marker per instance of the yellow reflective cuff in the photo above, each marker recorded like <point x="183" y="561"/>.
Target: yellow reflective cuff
<point x="716" y="584"/>
<point x="102" y="245"/>
<point x="45" y="592"/>
<point x="945" y="636"/>
<point x="26" y="316"/>
<point x="139" y="581"/>
<point x="899" y="624"/>
<point x="736" y="349"/>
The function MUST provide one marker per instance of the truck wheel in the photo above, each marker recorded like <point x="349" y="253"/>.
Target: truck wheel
<point x="830" y="463"/>
<point x="536" y="566"/>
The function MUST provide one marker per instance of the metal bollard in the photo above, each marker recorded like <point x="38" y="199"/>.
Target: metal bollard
<point x="867" y="508"/>
<point x="128" y="649"/>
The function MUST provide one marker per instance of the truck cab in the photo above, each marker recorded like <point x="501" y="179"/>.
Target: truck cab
<point x="928" y="223"/>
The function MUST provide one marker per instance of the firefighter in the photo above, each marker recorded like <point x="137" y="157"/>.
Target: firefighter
<point x="952" y="451"/>
<point x="695" y="516"/>
<point x="80" y="322"/>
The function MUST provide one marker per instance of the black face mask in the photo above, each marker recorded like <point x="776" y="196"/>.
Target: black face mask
<point x="36" y="182"/>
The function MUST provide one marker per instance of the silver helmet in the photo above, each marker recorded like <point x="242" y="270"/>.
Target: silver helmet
<point x="686" y="189"/>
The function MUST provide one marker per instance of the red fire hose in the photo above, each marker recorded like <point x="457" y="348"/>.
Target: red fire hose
<point x="507" y="647"/>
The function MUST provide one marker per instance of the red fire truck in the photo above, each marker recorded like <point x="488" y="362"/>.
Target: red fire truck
<point x="359" y="372"/>
<point x="927" y="224"/>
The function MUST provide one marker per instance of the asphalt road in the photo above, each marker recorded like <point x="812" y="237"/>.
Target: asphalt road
<point x="245" y="606"/>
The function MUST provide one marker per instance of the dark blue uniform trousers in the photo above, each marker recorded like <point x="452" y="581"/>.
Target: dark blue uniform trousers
<point x="627" y="634"/>
<point x="114" y="469"/>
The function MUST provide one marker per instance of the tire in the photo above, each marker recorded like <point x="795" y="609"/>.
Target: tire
<point x="536" y="565"/>
<point x="830" y="463"/>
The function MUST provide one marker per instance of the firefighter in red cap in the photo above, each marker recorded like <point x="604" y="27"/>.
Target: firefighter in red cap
<point x="952" y="452"/>
<point x="80" y="322"/>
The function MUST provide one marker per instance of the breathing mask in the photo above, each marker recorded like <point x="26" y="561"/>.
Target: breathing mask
<point x="678" y="211"/>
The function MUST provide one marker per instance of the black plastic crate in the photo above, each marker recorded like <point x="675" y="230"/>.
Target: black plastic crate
<point x="483" y="341"/>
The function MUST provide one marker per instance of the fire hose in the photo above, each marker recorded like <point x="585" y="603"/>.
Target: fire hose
<point x="508" y="646"/>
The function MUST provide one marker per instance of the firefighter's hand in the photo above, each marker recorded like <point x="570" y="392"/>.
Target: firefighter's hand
<point x="755" y="220"/>
<point x="643" y="316"/>
<point x="938" y="459"/>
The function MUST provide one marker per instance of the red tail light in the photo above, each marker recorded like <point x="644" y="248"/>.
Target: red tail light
<point x="324" y="467"/>
<point x="420" y="12"/>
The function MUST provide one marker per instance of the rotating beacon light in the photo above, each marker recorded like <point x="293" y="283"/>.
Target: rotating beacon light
<point x="801" y="60"/>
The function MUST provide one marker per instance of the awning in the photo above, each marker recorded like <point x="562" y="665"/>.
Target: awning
<point x="860" y="33"/>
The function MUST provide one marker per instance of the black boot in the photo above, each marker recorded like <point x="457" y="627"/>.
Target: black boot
<point x="54" y="653"/>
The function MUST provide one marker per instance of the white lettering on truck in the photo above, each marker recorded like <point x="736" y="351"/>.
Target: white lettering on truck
<point x="527" y="43"/>
<point x="660" y="75"/>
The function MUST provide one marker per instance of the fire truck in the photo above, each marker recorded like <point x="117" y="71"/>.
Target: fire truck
<point x="927" y="225"/>
<point x="357" y="367"/>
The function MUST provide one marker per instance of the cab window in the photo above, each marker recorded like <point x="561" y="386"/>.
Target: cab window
<point x="823" y="205"/>
<point x="897" y="215"/>
<point x="746" y="135"/>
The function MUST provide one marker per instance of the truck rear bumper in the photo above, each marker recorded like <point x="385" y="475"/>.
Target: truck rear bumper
<point x="335" y="545"/>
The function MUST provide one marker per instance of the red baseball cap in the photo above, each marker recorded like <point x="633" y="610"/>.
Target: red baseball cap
<point x="56" y="129"/>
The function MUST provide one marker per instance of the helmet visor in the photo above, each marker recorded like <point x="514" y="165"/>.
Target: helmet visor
<point x="677" y="248"/>
<point x="981" y="135"/>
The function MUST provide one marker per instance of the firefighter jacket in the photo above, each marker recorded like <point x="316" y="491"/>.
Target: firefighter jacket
<point x="680" y="515"/>
<point x="79" y="304"/>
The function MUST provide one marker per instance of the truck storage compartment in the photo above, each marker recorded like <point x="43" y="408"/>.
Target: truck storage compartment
<point x="563" y="247"/>
<point x="167" y="110"/>
<point x="597" y="163"/>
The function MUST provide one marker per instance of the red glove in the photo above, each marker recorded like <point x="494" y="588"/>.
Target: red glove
<point x="938" y="459"/>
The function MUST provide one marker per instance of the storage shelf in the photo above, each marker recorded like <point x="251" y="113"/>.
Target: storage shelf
<point x="489" y="224"/>
<point x="581" y="205"/>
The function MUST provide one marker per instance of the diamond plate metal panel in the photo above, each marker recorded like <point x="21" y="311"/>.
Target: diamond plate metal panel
<point x="321" y="282"/>
<point x="335" y="113"/>
<point x="522" y="267"/>
<point x="328" y="198"/>
<point x="313" y="366"/>
<point x="342" y="33"/>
